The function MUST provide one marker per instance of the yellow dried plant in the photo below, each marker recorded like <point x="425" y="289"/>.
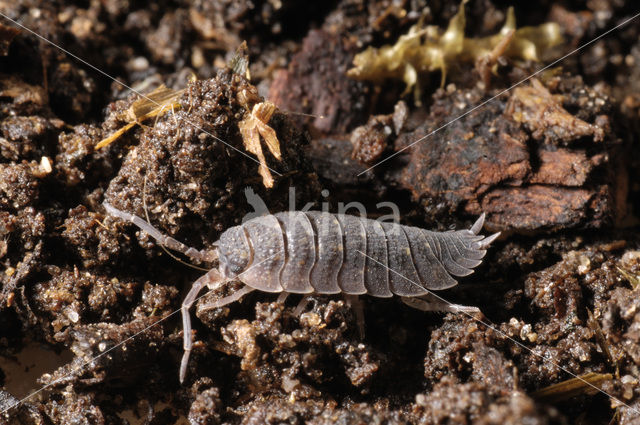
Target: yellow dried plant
<point x="254" y="125"/>
<point x="255" y="122"/>
<point x="155" y="104"/>
<point x="427" y="49"/>
<point x="587" y="384"/>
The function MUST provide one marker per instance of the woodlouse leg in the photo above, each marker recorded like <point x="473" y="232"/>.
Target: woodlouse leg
<point x="282" y="297"/>
<point x="167" y="241"/>
<point x="228" y="300"/>
<point x="213" y="279"/>
<point x="304" y="302"/>
<point x="434" y="304"/>
<point x="355" y="302"/>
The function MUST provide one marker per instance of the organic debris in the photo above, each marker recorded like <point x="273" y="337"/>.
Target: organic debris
<point x="239" y="63"/>
<point x="427" y="49"/>
<point x="316" y="83"/>
<point x="254" y="125"/>
<point x="488" y="161"/>
<point x="587" y="384"/>
<point x="77" y="282"/>
<point x="256" y="120"/>
<point x="630" y="268"/>
<point x="592" y="322"/>
<point x="155" y="104"/>
<point x="487" y="64"/>
<point x="542" y="113"/>
<point x="16" y="94"/>
<point x="370" y="140"/>
<point x="452" y="402"/>
<point x="633" y="279"/>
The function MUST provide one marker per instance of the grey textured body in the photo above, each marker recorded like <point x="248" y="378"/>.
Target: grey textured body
<point x="318" y="252"/>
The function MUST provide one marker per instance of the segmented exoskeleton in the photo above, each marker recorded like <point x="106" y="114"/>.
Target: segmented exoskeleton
<point x="321" y="253"/>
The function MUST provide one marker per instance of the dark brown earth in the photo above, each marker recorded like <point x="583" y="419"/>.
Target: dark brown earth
<point x="554" y="163"/>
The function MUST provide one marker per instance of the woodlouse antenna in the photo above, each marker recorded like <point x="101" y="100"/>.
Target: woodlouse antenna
<point x="167" y="241"/>
<point x="146" y="214"/>
<point x="302" y="114"/>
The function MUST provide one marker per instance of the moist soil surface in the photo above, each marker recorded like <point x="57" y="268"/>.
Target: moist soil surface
<point x="89" y="304"/>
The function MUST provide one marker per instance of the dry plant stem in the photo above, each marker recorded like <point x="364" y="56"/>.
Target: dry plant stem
<point x="485" y="64"/>
<point x="155" y="104"/>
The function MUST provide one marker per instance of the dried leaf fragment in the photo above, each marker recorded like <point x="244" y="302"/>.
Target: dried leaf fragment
<point x="633" y="278"/>
<point x="22" y="94"/>
<point x="254" y="125"/>
<point x="572" y="387"/>
<point x="256" y="120"/>
<point x="426" y="49"/>
<point x="155" y="104"/>
<point x="239" y="63"/>
<point x="545" y="117"/>
<point x="592" y="322"/>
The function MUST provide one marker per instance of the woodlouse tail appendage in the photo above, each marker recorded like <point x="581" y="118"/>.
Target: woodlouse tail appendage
<point x="485" y="241"/>
<point x="461" y="251"/>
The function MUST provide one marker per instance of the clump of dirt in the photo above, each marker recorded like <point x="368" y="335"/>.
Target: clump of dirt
<point x="191" y="168"/>
<point x="476" y="402"/>
<point x="371" y="140"/>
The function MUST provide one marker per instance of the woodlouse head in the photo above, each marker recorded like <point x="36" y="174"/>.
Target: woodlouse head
<point x="234" y="252"/>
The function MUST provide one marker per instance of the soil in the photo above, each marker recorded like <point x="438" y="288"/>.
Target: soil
<point x="554" y="163"/>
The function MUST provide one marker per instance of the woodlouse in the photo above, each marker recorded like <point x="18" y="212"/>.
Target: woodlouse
<point x="323" y="253"/>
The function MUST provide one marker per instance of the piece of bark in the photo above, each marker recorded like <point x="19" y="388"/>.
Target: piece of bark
<point x="459" y="165"/>
<point x="562" y="167"/>
<point x="486" y="161"/>
<point x="545" y="207"/>
<point x="316" y="83"/>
